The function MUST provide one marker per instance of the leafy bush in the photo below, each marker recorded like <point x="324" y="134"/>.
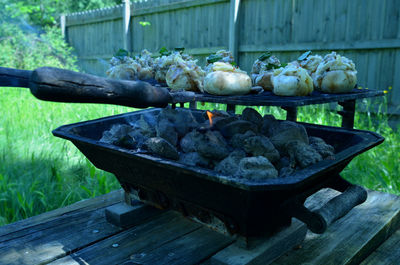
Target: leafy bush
<point x="28" y="49"/>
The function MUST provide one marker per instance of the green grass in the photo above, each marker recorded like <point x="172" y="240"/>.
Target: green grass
<point x="40" y="172"/>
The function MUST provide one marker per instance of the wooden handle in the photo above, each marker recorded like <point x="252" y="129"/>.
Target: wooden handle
<point x="14" y="78"/>
<point x="60" y="85"/>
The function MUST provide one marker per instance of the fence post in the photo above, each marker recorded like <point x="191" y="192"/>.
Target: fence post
<point x="234" y="28"/>
<point x="126" y="16"/>
<point x="62" y="26"/>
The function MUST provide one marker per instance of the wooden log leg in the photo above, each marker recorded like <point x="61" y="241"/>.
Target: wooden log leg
<point x="348" y="112"/>
<point x="230" y="108"/>
<point x="193" y="105"/>
<point x="291" y="113"/>
<point x="125" y="215"/>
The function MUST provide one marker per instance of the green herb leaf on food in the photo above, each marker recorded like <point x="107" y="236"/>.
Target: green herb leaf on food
<point x="121" y="53"/>
<point x="304" y="56"/>
<point x="283" y="65"/>
<point x="265" y="56"/>
<point x="164" y="51"/>
<point x="213" y="58"/>
<point x="179" y="49"/>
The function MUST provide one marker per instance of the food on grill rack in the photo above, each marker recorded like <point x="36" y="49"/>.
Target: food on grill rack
<point x="225" y="79"/>
<point x="185" y="75"/>
<point x="263" y="69"/>
<point x="165" y="61"/>
<point x="244" y="147"/>
<point x="335" y="74"/>
<point x="220" y="56"/>
<point x="124" y="67"/>
<point x="311" y="63"/>
<point x="292" y="81"/>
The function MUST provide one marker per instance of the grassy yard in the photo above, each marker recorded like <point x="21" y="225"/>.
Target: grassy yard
<point x="39" y="172"/>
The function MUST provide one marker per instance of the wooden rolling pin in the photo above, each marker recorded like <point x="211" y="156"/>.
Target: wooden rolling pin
<point x="54" y="84"/>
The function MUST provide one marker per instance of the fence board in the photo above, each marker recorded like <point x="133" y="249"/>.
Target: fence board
<point x="370" y="35"/>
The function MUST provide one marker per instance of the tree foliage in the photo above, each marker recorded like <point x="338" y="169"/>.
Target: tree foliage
<point x="29" y="33"/>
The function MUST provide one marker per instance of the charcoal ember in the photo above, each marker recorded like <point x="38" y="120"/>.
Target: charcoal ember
<point x="283" y="132"/>
<point x="211" y="145"/>
<point x="303" y="154"/>
<point x="220" y="121"/>
<point x="144" y="127"/>
<point x="166" y="130"/>
<point x="187" y="142"/>
<point x="159" y="146"/>
<point x="182" y="119"/>
<point x="261" y="146"/>
<point x="237" y="141"/>
<point x="230" y="165"/>
<point x="267" y="122"/>
<point x="119" y="135"/>
<point x="194" y="159"/>
<point x="256" y="168"/>
<point x="324" y="149"/>
<point x="286" y="172"/>
<point x="236" y="127"/>
<point x="253" y="116"/>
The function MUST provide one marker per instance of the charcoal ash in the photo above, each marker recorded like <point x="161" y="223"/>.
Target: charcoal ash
<point x="286" y="172"/>
<point x="324" y="149"/>
<point x="260" y="145"/>
<point x="302" y="154"/>
<point x="161" y="147"/>
<point x="230" y="165"/>
<point x="256" y="168"/>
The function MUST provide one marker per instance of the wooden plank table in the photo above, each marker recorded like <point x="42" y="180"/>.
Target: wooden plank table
<point x="79" y="234"/>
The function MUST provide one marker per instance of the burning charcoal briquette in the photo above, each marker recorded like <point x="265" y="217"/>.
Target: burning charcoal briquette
<point x="267" y="122"/>
<point x="220" y="122"/>
<point x="256" y="168"/>
<point x="211" y="145"/>
<point x="144" y="127"/>
<point x="286" y="172"/>
<point x="283" y="132"/>
<point x="119" y="135"/>
<point x="230" y="165"/>
<point x="182" y="119"/>
<point x="187" y="142"/>
<point x="261" y="146"/>
<point x="161" y="147"/>
<point x="239" y="126"/>
<point x="253" y="116"/>
<point x="238" y="139"/>
<point x="303" y="154"/>
<point x="194" y="159"/>
<point x="166" y="130"/>
<point x="324" y="149"/>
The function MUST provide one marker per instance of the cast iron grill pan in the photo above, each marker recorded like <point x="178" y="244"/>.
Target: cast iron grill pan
<point x="248" y="208"/>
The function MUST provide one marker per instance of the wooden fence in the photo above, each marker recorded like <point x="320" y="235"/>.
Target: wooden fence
<point x="367" y="31"/>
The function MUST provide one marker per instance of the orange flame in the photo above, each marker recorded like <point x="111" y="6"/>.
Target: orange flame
<point x="210" y="115"/>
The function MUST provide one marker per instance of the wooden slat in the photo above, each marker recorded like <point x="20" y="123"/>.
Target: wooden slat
<point x="266" y="250"/>
<point x="189" y="249"/>
<point x="134" y="243"/>
<point x="353" y="237"/>
<point x="78" y="207"/>
<point x="386" y="254"/>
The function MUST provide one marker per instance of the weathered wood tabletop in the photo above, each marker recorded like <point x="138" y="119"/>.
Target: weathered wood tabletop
<point x="80" y="234"/>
